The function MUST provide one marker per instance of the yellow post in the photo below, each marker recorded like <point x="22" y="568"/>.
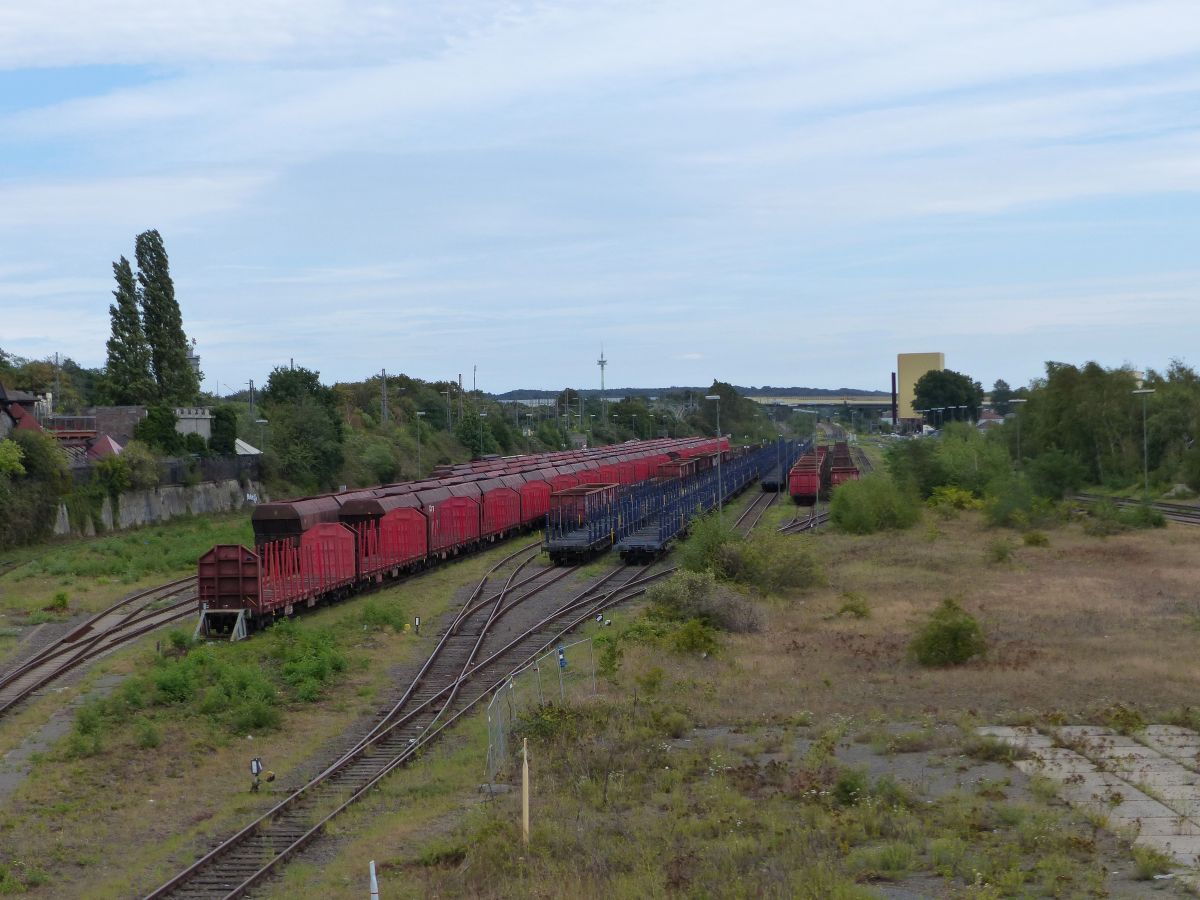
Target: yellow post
<point x="525" y="789"/>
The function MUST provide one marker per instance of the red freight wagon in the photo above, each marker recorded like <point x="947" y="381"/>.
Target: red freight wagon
<point x="677" y="468"/>
<point x="842" y="474"/>
<point x="535" y="500"/>
<point x="324" y="562"/>
<point x="500" y="509"/>
<point x="562" y="481"/>
<point x="228" y="578"/>
<point x="291" y="518"/>
<point x="574" y="506"/>
<point x="396" y="541"/>
<point x="453" y="523"/>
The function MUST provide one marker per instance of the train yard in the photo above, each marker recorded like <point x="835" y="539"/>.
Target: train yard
<point x="516" y="611"/>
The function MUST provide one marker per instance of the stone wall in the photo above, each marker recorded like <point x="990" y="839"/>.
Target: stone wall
<point x="168" y="502"/>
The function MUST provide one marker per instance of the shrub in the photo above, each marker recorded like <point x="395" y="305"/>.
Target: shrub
<point x="59" y="603"/>
<point x="774" y="563"/>
<point x="694" y="637"/>
<point x="873" y="504"/>
<point x="147" y="735"/>
<point x="1141" y="516"/>
<point x="1012" y="502"/>
<point x="949" y="498"/>
<point x="854" y="605"/>
<point x="950" y="637"/>
<point x="696" y="595"/>
<point x="1000" y="550"/>
<point x="1036" y="539"/>
<point x="675" y="724"/>
<point x="713" y="545"/>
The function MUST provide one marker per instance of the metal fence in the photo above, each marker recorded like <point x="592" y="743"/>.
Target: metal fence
<point x="567" y="672"/>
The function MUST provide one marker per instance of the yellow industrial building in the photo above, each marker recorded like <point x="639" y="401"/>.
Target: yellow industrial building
<point x="909" y="369"/>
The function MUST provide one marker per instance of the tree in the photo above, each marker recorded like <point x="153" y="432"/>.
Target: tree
<point x="158" y="430"/>
<point x="224" y="431"/>
<point x="1002" y="394"/>
<point x="127" y="372"/>
<point x="945" y="388"/>
<point x="10" y="459"/>
<point x="305" y="440"/>
<point x="174" y="377"/>
<point x="476" y="434"/>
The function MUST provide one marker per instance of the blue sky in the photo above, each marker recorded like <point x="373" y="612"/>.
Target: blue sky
<point x="766" y="192"/>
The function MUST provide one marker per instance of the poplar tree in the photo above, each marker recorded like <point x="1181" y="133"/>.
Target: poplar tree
<point x="174" y="377"/>
<point x="127" y="372"/>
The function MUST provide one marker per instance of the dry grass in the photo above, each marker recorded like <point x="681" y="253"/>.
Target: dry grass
<point x="1080" y="626"/>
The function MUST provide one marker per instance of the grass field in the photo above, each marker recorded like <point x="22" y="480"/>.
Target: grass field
<point x="94" y="573"/>
<point x="814" y="758"/>
<point x="811" y="757"/>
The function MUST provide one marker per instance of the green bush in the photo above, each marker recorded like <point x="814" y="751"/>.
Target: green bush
<point x="872" y="504"/>
<point x="1036" y="539"/>
<point x="713" y="545"/>
<point x="854" y="605"/>
<point x="1000" y="550"/>
<point x="696" y="595"/>
<point x="60" y="602"/>
<point x="950" y="637"/>
<point x="948" y="498"/>
<point x="1012" y="502"/>
<point x="695" y="637"/>
<point x="1141" y="516"/>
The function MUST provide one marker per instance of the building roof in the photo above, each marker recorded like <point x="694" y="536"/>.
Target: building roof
<point x="104" y="446"/>
<point x="10" y="395"/>
<point x="243" y="449"/>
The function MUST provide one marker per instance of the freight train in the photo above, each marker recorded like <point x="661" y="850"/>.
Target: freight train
<point x="816" y="473"/>
<point x="323" y="548"/>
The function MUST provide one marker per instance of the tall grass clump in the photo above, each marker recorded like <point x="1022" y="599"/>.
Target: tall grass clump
<point x="766" y="561"/>
<point x="873" y="504"/>
<point x="950" y="636"/>
<point x="697" y="595"/>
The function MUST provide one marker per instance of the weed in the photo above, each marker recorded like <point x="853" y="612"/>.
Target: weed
<point x="377" y="617"/>
<point x="1123" y="719"/>
<point x="854" y="605"/>
<point x="695" y="637"/>
<point x="891" y="860"/>
<point x="60" y="603"/>
<point x="147" y="735"/>
<point x="986" y="748"/>
<point x="950" y="637"/>
<point x="1148" y="862"/>
<point x="850" y="787"/>
<point x="676" y="724"/>
<point x="1035" y="539"/>
<point x="1000" y="550"/>
<point x="442" y="853"/>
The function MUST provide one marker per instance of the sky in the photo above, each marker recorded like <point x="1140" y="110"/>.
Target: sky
<point x="783" y="193"/>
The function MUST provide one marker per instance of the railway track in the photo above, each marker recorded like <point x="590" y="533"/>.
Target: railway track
<point x="105" y="631"/>
<point x="471" y="659"/>
<point x="810" y="522"/>
<point x="1173" y="512"/>
<point x="754" y="512"/>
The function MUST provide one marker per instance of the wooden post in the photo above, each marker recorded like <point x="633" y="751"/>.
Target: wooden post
<point x="525" y="790"/>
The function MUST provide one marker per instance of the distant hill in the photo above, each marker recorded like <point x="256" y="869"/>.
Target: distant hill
<point x="764" y="391"/>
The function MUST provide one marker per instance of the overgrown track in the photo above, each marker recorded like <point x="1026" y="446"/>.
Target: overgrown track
<point x="753" y="513"/>
<point x="462" y="669"/>
<point x="809" y="523"/>
<point x="1174" y="512"/>
<point x="105" y="631"/>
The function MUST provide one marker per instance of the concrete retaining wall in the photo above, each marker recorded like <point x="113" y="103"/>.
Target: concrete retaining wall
<point x="167" y="502"/>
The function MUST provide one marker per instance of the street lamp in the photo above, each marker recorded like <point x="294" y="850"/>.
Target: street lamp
<point x="262" y="427"/>
<point x="1145" y="392"/>
<point x="448" y="422"/>
<point x="1018" y="415"/>
<point x="482" y="416"/>
<point x="420" y="416"/>
<point x="720" y="481"/>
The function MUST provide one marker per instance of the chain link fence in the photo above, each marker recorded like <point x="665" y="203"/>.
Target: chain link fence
<point x="566" y="672"/>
